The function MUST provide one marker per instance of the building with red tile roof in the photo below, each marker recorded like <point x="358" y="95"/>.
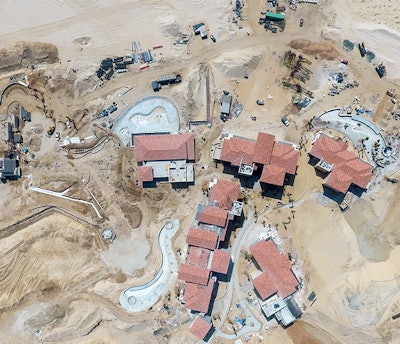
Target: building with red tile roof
<point x="273" y="174"/>
<point x="198" y="297"/>
<point x="213" y="220"/>
<point x="224" y="193"/>
<point x="200" y="328"/>
<point x="276" y="266"/>
<point x="213" y="216"/>
<point x="283" y="155"/>
<point x="265" y="286"/>
<point x="165" y="157"/>
<point x="198" y="256"/>
<point x="164" y="147"/>
<point x="193" y="274"/>
<point x="339" y="180"/>
<point x="237" y="150"/>
<point x="347" y="168"/>
<point x="221" y="261"/>
<point x="326" y="148"/>
<point x="249" y="155"/>
<point x="263" y="148"/>
<point x="145" y="173"/>
<point x="202" y="238"/>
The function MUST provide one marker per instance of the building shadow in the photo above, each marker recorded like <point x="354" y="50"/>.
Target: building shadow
<point x="183" y="185"/>
<point x="356" y="190"/>
<point x="289" y="178"/>
<point x="225" y="244"/>
<point x="152" y="184"/>
<point x="320" y="174"/>
<point x="209" y="334"/>
<point x="225" y="278"/>
<point x="272" y="191"/>
<point x="213" y="296"/>
<point x="245" y="181"/>
<point x="332" y="194"/>
<point x="312" y="160"/>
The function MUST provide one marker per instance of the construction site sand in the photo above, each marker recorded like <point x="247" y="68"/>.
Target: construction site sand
<point x="354" y="279"/>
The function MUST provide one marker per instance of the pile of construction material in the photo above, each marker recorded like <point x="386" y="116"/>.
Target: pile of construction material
<point x="293" y="3"/>
<point x="119" y="64"/>
<point x="237" y="109"/>
<point x="340" y="82"/>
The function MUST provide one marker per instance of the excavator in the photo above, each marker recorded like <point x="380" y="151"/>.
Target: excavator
<point x="50" y="130"/>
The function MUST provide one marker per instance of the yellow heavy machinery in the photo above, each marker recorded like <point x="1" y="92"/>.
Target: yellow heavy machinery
<point x="50" y="130"/>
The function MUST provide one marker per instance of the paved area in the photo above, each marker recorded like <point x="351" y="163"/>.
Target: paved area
<point x="252" y="324"/>
<point x="357" y="129"/>
<point x="149" y="115"/>
<point x="141" y="298"/>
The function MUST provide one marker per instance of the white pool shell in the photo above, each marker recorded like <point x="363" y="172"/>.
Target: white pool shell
<point x="150" y="115"/>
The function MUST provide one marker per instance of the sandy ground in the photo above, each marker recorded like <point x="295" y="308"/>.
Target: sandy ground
<point x="59" y="276"/>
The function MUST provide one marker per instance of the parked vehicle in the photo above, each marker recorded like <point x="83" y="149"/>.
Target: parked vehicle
<point x="285" y="121"/>
<point x="260" y="102"/>
<point x="213" y="38"/>
<point x="390" y="94"/>
<point x="344" y="61"/>
<point x="301" y="22"/>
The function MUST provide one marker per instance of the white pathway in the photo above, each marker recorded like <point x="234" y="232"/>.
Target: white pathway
<point x="62" y="195"/>
<point x="140" y="298"/>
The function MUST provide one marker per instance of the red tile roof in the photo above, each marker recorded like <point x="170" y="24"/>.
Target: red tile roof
<point x="360" y="171"/>
<point x="164" y="147"/>
<point x="193" y="274"/>
<point x="265" y="286"/>
<point x="263" y="148"/>
<point x="224" y="193"/>
<point x="265" y="151"/>
<point x="236" y="150"/>
<point x="276" y="265"/>
<point x="198" y="297"/>
<point x="198" y="256"/>
<point x="213" y="216"/>
<point x="344" y="156"/>
<point x="202" y="238"/>
<point x="326" y="148"/>
<point x="145" y="173"/>
<point x="285" y="156"/>
<point x="200" y="328"/>
<point x="273" y="174"/>
<point x="339" y="180"/>
<point x="347" y="167"/>
<point x="221" y="261"/>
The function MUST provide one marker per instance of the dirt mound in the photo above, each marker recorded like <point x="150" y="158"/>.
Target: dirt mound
<point x="324" y="50"/>
<point x="170" y="26"/>
<point x="133" y="214"/>
<point x="24" y="54"/>
<point x="235" y="66"/>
